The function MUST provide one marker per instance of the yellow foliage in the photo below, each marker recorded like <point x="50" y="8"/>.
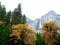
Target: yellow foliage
<point x="50" y="35"/>
<point x="2" y="23"/>
<point x="49" y="26"/>
<point x="49" y="38"/>
<point x="22" y="31"/>
<point x="30" y="38"/>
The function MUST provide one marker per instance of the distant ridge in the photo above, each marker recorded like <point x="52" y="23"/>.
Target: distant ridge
<point x="52" y="12"/>
<point x="50" y="16"/>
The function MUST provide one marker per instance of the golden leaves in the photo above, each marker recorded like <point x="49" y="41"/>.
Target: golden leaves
<point x="49" y="26"/>
<point x="22" y="31"/>
<point x="50" y="35"/>
<point x="2" y="23"/>
<point x="30" y="38"/>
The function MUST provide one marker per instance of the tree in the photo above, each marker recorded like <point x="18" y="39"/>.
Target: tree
<point x="16" y="18"/>
<point x="8" y="17"/>
<point x="2" y="12"/>
<point x="19" y="8"/>
<point x="50" y="29"/>
<point x="39" y="39"/>
<point x="24" y="19"/>
<point x="22" y="35"/>
<point x="58" y="39"/>
<point x="17" y="15"/>
<point x="4" y="35"/>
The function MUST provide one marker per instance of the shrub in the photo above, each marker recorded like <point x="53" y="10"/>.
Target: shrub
<point x="58" y="39"/>
<point x="4" y="34"/>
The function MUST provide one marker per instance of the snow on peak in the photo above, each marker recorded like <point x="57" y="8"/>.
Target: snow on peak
<point x="52" y="12"/>
<point x="50" y="16"/>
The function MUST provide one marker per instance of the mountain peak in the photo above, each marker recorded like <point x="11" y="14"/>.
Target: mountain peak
<point x="38" y="19"/>
<point x="52" y="12"/>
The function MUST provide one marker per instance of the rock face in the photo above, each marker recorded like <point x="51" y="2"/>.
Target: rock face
<point x="35" y="24"/>
<point x="50" y="16"/>
<point x="28" y="20"/>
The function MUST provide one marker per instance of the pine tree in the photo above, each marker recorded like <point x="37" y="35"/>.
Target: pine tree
<point x="24" y="19"/>
<point x="17" y="15"/>
<point x="39" y="39"/>
<point x="2" y="12"/>
<point x="8" y="17"/>
<point x="19" y="7"/>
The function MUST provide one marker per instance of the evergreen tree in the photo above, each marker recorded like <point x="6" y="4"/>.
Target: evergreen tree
<point x="19" y="8"/>
<point x="8" y="17"/>
<point x="2" y="12"/>
<point x="4" y="35"/>
<point x="24" y="19"/>
<point x="39" y="39"/>
<point x="17" y="15"/>
<point x="16" y="18"/>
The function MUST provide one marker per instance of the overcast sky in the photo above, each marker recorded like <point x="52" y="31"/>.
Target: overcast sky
<point x="33" y="8"/>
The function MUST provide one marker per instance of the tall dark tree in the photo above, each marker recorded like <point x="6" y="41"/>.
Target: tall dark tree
<point x="19" y="7"/>
<point x="17" y="15"/>
<point x="39" y="39"/>
<point x="24" y="19"/>
<point x="2" y="12"/>
<point x="8" y="17"/>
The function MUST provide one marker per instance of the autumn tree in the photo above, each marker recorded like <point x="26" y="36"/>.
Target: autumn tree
<point x="23" y="35"/>
<point x="50" y="35"/>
